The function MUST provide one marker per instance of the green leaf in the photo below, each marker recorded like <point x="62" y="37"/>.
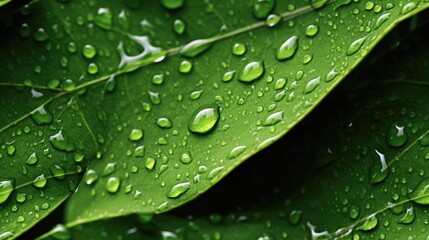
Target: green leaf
<point x="322" y="186"/>
<point x="164" y="99"/>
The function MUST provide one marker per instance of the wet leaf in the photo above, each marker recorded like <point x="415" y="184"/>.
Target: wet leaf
<point x="133" y="86"/>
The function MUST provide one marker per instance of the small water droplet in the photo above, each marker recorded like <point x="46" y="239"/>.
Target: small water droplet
<point x="158" y="79"/>
<point x="164" y="122"/>
<point x="179" y="189"/>
<point x="272" y="20"/>
<point x="295" y="216"/>
<point x="69" y="85"/>
<point x="112" y="184"/>
<point x="186" y="158"/>
<point x="238" y="49"/>
<point x="150" y="163"/>
<point x="40" y="181"/>
<point x="90" y="176"/>
<point x="354" y="212"/>
<point x="280" y="83"/>
<point x="312" y="85"/>
<point x="41" y="116"/>
<point x="288" y="48"/>
<point x="331" y="75"/>
<point x="139" y="152"/>
<point x="274" y="118"/>
<point x="89" y="51"/>
<point x="40" y="35"/>
<point x="172" y="4"/>
<point x="396" y="136"/>
<point x="109" y="169"/>
<point x="236" y="151"/>
<point x="262" y="8"/>
<point x="185" y="66"/>
<point x="135" y="135"/>
<point x="311" y="30"/>
<point x="251" y="71"/>
<point x="179" y="26"/>
<point x="228" y="76"/>
<point x="204" y="119"/>
<point x="356" y="45"/>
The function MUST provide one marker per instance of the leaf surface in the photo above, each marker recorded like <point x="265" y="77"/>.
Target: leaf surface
<point x="165" y="102"/>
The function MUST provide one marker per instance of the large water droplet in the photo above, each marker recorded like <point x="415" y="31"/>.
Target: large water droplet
<point x="186" y="157"/>
<point x="41" y="116"/>
<point x="288" y="48"/>
<point x="311" y="85"/>
<point x="57" y="171"/>
<point x="274" y="118"/>
<point x="408" y="7"/>
<point x="420" y="193"/>
<point x="236" y="151"/>
<point x="369" y="224"/>
<point x="112" y="184"/>
<point x="109" y="168"/>
<point x="6" y="188"/>
<point x="89" y="51"/>
<point x="396" y="136"/>
<point x="179" y="189"/>
<point x="251" y="72"/>
<point x="378" y="171"/>
<point x="204" y="119"/>
<point x="59" y="142"/>
<point x="135" y="135"/>
<point x="382" y="19"/>
<point x="104" y="18"/>
<point x="408" y="217"/>
<point x="272" y="20"/>
<point x="40" y="181"/>
<point x="356" y="45"/>
<point x="196" y="47"/>
<point x="32" y="159"/>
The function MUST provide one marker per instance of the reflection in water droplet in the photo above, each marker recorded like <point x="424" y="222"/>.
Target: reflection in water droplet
<point x="287" y="49"/>
<point x="204" y="119"/>
<point x="59" y="142"/>
<point x="179" y="189"/>
<point x="251" y="72"/>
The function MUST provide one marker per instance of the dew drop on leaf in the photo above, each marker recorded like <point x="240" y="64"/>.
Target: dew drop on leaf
<point x="186" y="158"/>
<point x="149" y="163"/>
<point x="41" y="116"/>
<point x="196" y="47"/>
<point x="139" y="151"/>
<point x="40" y="181"/>
<point x="69" y="85"/>
<point x="90" y="176"/>
<point x="382" y="19"/>
<point x="396" y="136"/>
<point x="369" y="224"/>
<point x="354" y="212"/>
<point x="274" y="118"/>
<point x="185" y="66"/>
<point x="408" y="217"/>
<point x="204" y="119"/>
<point x="179" y="189"/>
<point x="311" y="30"/>
<point x="356" y="45"/>
<point x="272" y="20"/>
<point x="104" y="18"/>
<point x="164" y="122"/>
<point x="378" y="171"/>
<point x="57" y="171"/>
<point x="288" y="48"/>
<point x="10" y="150"/>
<point x="109" y="168"/>
<point x="158" y="79"/>
<point x="238" y="49"/>
<point x="420" y="193"/>
<point x="407" y="8"/>
<point x="179" y="26"/>
<point x="172" y="4"/>
<point x="6" y="188"/>
<point x="89" y="51"/>
<point x="112" y="184"/>
<point x="20" y="197"/>
<point x="312" y="85"/>
<point x="135" y="135"/>
<point x="295" y="216"/>
<point x="236" y="151"/>
<point x="251" y="71"/>
<point x="59" y="142"/>
<point x="318" y="3"/>
<point x="60" y="232"/>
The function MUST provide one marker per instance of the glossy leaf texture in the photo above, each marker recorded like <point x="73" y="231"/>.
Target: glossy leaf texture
<point x="362" y="176"/>
<point x="165" y="100"/>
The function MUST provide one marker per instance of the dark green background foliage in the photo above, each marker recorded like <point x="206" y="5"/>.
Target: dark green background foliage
<point x="115" y="112"/>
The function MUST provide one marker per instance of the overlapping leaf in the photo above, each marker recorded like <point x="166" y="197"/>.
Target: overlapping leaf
<point x="111" y="82"/>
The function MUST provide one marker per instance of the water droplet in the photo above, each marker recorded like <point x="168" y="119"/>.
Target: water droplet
<point x="228" y="76"/>
<point x="378" y="171"/>
<point x="307" y="58"/>
<point x="238" y="49"/>
<point x="78" y="157"/>
<point x="109" y="169"/>
<point x="6" y="188"/>
<point x="40" y="181"/>
<point x="40" y="35"/>
<point x="272" y="20"/>
<point x="172" y="4"/>
<point x="204" y="119"/>
<point x="158" y="79"/>
<point x="69" y="85"/>
<point x="150" y="54"/>
<point x="112" y="184"/>
<point x="90" y="176"/>
<point x="60" y="232"/>
<point x="135" y="135"/>
<point x="213" y="173"/>
<point x="274" y="118"/>
<point x="331" y="75"/>
<point x="92" y="68"/>
<point x="369" y="224"/>
<point x="41" y="116"/>
<point x="236" y="151"/>
<point x="164" y="122"/>
<point x="196" y="94"/>
<point x="179" y="26"/>
<point x="186" y="158"/>
<point x="139" y="151"/>
<point x="150" y="163"/>
<point x="179" y="189"/>
<point x="287" y="49"/>
<point x="354" y="212"/>
<point x="185" y="66"/>
<point x="59" y="142"/>
<point x="57" y="171"/>
<point x="262" y="8"/>
<point x="6" y="235"/>
<point x="196" y="47"/>
<point x="420" y="193"/>
<point x="89" y="51"/>
<point x="356" y="45"/>
<point x="311" y="85"/>
<point x="311" y="30"/>
<point x="408" y="7"/>
<point x="280" y="83"/>
<point x="20" y="197"/>
<point x="295" y="217"/>
<point x="104" y="18"/>
<point x="382" y="19"/>
<point x="408" y="217"/>
<point x="318" y="3"/>
<point x="251" y="72"/>
<point x="396" y="136"/>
